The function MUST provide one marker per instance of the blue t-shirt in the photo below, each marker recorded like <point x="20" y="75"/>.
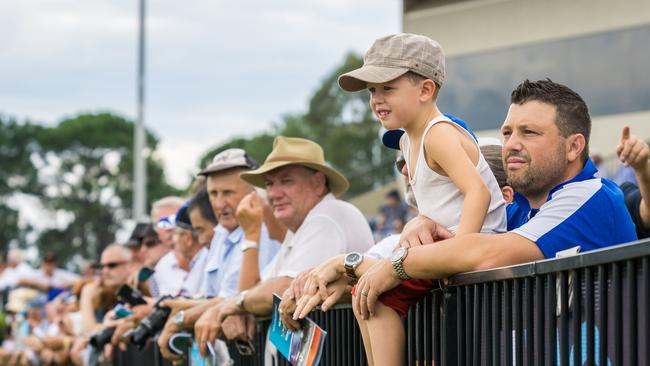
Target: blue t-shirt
<point x="585" y="211"/>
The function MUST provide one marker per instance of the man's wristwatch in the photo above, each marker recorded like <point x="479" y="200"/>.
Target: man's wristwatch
<point x="179" y="319"/>
<point x="248" y="244"/>
<point x="240" y="300"/>
<point x="398" y="259"/>
<point x="351" y="262"/>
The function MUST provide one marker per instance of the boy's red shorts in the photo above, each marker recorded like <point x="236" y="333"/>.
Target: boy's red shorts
<point x="406" y="294"/>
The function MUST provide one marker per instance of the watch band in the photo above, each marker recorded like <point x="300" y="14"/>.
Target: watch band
<point x="248" y="244"/>
<point x="398" y="267"/>
<point x="240" y="300"/>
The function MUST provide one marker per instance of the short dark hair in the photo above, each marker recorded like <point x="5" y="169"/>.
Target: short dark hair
<point x="201" y="200"/>
<point x="572" y="112"/>
<point x="493" y="156"/>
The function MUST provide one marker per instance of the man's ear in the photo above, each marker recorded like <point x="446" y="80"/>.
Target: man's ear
<point x="575" y="145"/>
<point x="427" y="90"/>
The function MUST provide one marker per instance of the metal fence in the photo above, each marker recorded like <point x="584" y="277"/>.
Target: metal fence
<point x="590" y="309"/>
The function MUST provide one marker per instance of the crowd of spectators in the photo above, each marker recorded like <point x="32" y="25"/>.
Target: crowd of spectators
<point x="209" y="264"/>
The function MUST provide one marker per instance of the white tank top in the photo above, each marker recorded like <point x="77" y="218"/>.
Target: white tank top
<point x="437" y="196"/>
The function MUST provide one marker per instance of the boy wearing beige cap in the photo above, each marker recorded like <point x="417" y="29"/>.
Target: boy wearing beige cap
<point x="451" y="180"/>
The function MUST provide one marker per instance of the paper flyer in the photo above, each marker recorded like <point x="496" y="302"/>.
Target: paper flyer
<point x="303" y="347"/>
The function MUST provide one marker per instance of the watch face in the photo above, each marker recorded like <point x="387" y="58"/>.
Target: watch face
<point x="398" y="254"/>
<point x="352" y="258"/>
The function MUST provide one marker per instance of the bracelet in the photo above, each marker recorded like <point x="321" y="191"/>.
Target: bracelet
<point x="248" y="244"/>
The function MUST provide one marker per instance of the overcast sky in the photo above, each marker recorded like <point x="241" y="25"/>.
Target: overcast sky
<point x="215" y="69"/>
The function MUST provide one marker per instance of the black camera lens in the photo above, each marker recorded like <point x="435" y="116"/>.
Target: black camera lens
<point x="99" y="339"/>
<point x="150" y="325"/>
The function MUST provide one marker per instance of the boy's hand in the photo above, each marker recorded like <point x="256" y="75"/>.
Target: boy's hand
<point x="421" y="230"/>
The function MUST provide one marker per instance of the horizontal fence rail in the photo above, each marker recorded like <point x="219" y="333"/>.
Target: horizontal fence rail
<point x="588" y="309"/>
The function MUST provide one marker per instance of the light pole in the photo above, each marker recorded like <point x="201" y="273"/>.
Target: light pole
<point x="139" y="166"/>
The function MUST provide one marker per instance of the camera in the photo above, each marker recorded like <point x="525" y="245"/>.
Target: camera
<point x="100" y="338"/>
<point x="150" y="325"/>
<point x="130" y="295"/>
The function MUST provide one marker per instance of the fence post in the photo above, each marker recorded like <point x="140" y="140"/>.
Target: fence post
<point x="448" y="330"/>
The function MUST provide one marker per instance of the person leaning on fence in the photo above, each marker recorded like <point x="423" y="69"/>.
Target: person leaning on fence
<point x="302" y="191"/>
<point x="634" y="152"/>
<point x="239" y="250"/>
<point x="558" y="203"/>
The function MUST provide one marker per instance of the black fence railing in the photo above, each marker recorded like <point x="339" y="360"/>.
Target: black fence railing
<point x="588" y="309"/>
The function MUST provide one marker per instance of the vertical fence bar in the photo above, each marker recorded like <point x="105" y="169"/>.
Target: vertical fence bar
<point x="428" y="324"/>
<point x="486" y="335"/>
<point x="602" y="315"/>
<point x="412" y="325"/>
<point x="468" y="326"/>
<point x="564" y="321"/>
<point x="551" y="305"/>
<point x="589" y="313"/>
<point x="507" y="318"/>
<point x="496" y="324"/>
<point x="645" y="309"/>
<point x="518" y="329"/>
<point x="476" y="329"/>
<point x="460" y="326"/>
<point x="538" y="326"/>
<point x="451" y="328"/>
<point x="435" y="310"/>
<point x="529" y="331"/>
<point x="575" y="308"/>
<point x="631" y="311"/>
<point x="617" y="293"/>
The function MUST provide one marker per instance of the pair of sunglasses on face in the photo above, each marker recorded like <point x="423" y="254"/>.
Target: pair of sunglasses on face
<point x="111" y="265"/>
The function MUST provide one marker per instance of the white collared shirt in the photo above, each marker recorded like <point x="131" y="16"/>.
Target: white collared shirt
<point x="168" y="275"/>
<point x="332" y="227"/>
<point x="194" y="284"/>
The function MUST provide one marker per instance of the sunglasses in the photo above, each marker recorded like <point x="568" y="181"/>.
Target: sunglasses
<point x="111" y="265"/>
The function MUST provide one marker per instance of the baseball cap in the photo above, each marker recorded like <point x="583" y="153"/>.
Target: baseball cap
<point x="183" y="218"/>
<point x="230" y="158"/>
<point x="393" y="56"/>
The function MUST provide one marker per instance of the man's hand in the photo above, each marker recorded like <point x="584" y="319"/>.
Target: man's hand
<point x="286" y="308"/>
<point x="322" y="276"/>
<point x="294" y="291"/>
<point x="122" y="326"/>
<point x="207" y="328"/>
<point x="632" y="151"/>
<point x="375" y="281"/>
<point x="335" y="291"/>
<point x="240" y="327"/>
<point x="163" y="340"/>
<point x="249" y="214"/>
<point x="421" y="230"/>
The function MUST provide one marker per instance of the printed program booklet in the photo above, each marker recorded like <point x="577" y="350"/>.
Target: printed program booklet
<point x="303" y="347"/>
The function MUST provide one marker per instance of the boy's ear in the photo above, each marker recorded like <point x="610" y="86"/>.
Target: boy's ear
<point x="428" y="90"/>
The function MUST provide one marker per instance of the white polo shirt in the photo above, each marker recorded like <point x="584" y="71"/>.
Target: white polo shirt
<point x="331" y="228"/>
<point x="194" y="284"/>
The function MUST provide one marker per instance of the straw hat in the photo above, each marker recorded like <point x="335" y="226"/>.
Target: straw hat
<point x="297" y="151"/>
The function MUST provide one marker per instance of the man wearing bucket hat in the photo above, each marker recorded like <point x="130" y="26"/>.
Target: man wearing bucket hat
<point x="302" y="191"/>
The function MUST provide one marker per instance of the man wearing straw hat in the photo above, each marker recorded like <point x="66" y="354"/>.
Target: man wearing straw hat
<point x="302" y="191"/>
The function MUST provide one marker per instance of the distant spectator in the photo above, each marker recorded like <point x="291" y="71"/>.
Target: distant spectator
<point x="49" y="278"/>
<point x="600" y="165"/>
<point x="16" y="269"/>
<point x="171" y="266"/>
<point x="634" y="153"/>
<point x="393" y="212"/>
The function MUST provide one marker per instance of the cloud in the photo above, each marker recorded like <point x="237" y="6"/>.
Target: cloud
<point x="215" y="69"/>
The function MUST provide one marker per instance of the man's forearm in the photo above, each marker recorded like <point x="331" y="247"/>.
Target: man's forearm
<point x="471" y="252"/>
<point x="193" y="314"/>
<point x="259" y="300"/>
